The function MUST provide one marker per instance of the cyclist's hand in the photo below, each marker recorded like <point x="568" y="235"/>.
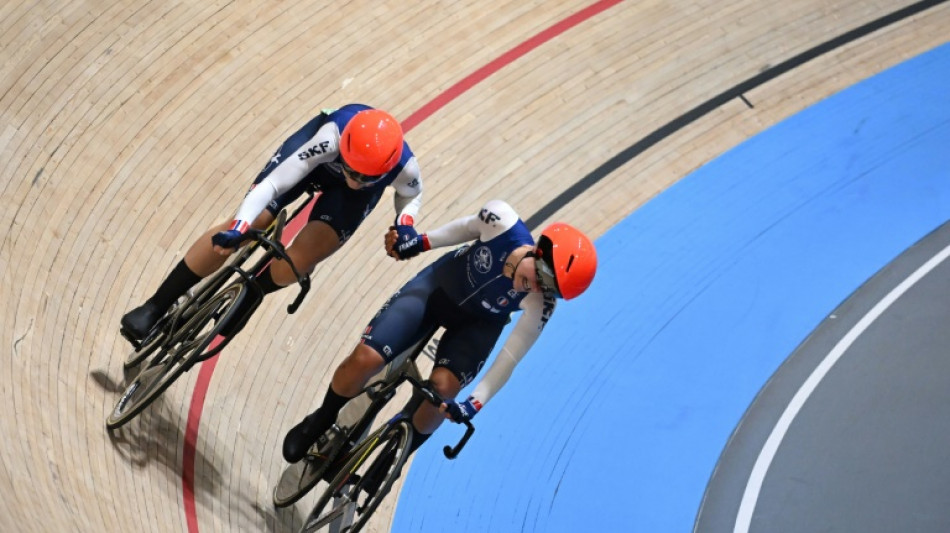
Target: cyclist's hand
<point x="224" y="242"/>
<point x="389" y="241"/>
<point x="408" y="243"/>
<point x="459" y="412"/>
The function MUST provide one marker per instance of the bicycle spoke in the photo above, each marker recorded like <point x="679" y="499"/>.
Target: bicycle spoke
<point x="174" y="357"/>
<point x="368" y="475"/>
<point x="338" y="511"/>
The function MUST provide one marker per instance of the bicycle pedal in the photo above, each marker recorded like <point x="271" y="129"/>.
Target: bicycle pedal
<point x="328" y="439"/>
<point x="132" y="340"/>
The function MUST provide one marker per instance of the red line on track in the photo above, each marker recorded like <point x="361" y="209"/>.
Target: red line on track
<point x="294" y="226"/>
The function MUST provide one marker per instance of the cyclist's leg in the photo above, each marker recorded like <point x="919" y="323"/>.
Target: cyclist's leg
<point x="315" y="242"/>
<point x="400" y="323"/>
<point x="201" y="258"/>
<point x="427" y="417"/>
<point x="265" y="281"/>
<point x="349" y="378"/>
<point x="462" y="351"/>
<point x="335" y="216"/>
<point x="199" y="262"/>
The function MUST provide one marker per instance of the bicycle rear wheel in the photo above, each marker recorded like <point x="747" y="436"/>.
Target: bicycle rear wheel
<point x="186" y="344"/>
<point x="367" y="477"/>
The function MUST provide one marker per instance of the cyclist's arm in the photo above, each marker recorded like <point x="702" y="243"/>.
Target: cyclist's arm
<point x="322" y="147"/>
<point x="408" y="197"/>
<point x="495" y="218"/>
<point x="537" y="310"/>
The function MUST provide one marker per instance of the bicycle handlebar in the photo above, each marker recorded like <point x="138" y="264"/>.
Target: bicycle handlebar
<point x="278" y="249"/>
<point x="451" y="452"/>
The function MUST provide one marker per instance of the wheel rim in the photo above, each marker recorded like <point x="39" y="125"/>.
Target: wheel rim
<point x="349" y="485"/>
<point x="296" y="480"/>
<point x="137" y="390"/>
<point x="336" y="511"/>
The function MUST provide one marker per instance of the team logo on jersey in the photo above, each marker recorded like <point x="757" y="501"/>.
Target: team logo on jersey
<point x="483" y="259"/>
<point x="502" y="301"/>
<point x="487" y="305"/>
<point x="313" y="151"/>
<point x="547" y="309"/>
<point x="488" y="217"/>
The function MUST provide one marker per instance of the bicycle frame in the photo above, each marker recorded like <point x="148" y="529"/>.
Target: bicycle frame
<point x="372" y="466"/>
<point x="380" y="393"/>
<point x="182" y="337"/>
<point x="204" y="292"/>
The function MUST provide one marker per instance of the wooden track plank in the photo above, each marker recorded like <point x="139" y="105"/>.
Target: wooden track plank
<point x="126" y="129"/>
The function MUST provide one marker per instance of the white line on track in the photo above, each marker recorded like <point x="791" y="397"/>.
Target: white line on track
<point x="764" y="460"/>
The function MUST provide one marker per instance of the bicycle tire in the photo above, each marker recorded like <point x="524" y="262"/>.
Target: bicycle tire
<point x="297" y="480"/>
<point x="147" y="348"/>
<point x="344" y="490"/>
<point x="186" y="343"/>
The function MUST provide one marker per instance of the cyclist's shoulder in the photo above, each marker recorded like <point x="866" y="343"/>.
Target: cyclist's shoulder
<point x="497" y="218"/>
<point x="497" y="213"/>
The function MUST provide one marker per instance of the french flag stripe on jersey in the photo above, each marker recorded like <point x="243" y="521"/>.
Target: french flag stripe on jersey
<point x="240" y="225"/>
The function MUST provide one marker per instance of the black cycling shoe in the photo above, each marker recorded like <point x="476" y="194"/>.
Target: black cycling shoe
<point x="139" y="321"/>
<point x="300" y="438"/>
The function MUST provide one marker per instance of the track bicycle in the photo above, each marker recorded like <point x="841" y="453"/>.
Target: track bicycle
<point x="360" y="470"/>
<point x="189" y="332"/>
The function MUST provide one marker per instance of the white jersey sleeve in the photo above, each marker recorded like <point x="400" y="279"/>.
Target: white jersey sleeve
<point x="408" y="197"/>
<point x="322" y="148"/>
<point x="495" y="218"/>
<point x="537" y="310"/>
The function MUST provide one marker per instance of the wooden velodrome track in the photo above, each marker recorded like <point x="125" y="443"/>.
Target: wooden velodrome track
<point x="127" y="128"/>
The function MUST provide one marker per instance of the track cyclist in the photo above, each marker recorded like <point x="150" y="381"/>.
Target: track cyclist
<point x="350" y="155"/>
<point x="471" y="292"/>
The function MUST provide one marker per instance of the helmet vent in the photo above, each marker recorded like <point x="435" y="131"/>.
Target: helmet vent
<point x="569" y="263"/>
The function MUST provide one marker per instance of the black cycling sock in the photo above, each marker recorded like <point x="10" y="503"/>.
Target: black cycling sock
<point x="267" y="283"/>
<point x="267" y="286"/>
<point x="320" y="420"/>
<point x="418" y="439"/>
<point x="176" y="284"/>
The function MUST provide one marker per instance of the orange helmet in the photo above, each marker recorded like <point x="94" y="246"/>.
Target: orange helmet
<point x="565" y="260"/>
<point x="371" y="142"/>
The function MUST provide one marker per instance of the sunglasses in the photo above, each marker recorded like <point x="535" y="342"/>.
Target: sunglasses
<point x="362" y="179"/>
<point x="545" y="276"/>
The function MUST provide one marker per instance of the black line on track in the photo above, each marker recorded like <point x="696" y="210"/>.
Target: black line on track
<point x="706" y="107"/>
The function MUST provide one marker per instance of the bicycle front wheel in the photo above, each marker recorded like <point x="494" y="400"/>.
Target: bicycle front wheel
<point x="185" y="344"/>
<point x="358" y="488"/>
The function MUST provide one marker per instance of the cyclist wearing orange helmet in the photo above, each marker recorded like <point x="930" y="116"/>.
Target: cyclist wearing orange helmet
<point x="471" y="292"/>
<point x="350" y="155"/>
